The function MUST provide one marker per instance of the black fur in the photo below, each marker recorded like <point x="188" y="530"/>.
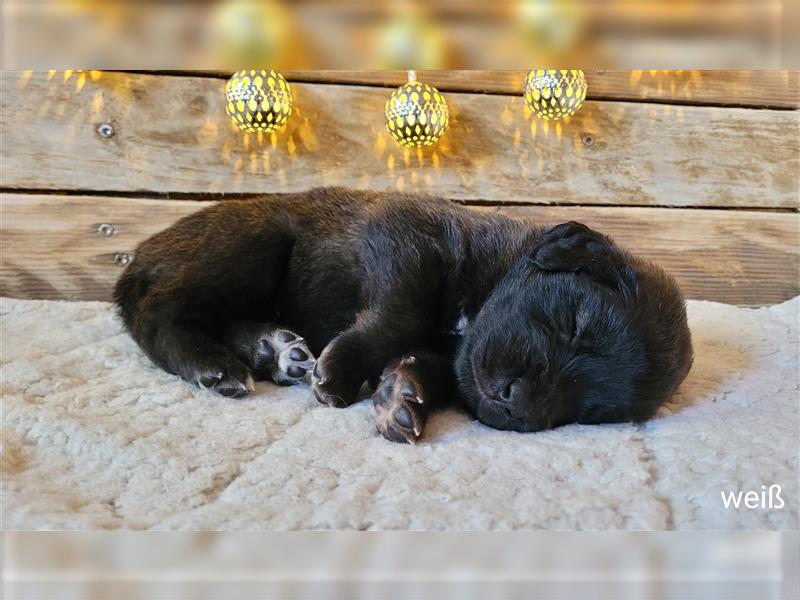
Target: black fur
<point x="558" y="325"/>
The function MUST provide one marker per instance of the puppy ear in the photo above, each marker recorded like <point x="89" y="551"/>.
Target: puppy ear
<point x="574" y="247"/>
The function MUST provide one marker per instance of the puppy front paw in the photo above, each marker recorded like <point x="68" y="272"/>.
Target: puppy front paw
<point x="570" y="247"/>
<point x="331" y="384"/>
<point x="401" y="410"/>
<point x="576" y="248"/>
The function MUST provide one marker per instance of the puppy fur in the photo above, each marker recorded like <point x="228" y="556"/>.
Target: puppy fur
<point x="528" y="327"/>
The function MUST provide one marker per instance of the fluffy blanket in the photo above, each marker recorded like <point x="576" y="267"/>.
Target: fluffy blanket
<point x="94" y="436"/>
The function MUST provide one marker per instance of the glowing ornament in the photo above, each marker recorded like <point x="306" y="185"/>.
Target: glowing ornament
<point x="258" y="100"/>
<point x="410" y="38"/>
<point x="416" y="114"/>
<point x="553" y="94"/>
<point x="245" y="32"/>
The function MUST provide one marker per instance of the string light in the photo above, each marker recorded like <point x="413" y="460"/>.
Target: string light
<point x="554" y="93"/>
<point x="258" y="100"/>
<point x="416" y="114"/>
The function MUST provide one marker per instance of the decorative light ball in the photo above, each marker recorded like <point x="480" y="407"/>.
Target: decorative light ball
<point x="258" y="100"/>
<point x="410" y="38"/>
<point x="554" y="93"/>
<point x="416" y="114"/>
<point x="244" y="32"/>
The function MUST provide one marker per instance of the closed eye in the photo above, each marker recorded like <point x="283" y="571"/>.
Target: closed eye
<point x="568" y="331"/>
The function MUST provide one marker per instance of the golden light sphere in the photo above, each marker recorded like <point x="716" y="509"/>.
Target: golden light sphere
<point x="258" y="100"/>
<point x="416" y="115"/>
<point x="554" y="93"/>
<point x="244" y="32"/>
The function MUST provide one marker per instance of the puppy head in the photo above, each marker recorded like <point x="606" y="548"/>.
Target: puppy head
<point x="550" y="348"/>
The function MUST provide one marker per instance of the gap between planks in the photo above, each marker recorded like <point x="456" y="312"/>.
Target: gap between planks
<point x="222" y="196"/>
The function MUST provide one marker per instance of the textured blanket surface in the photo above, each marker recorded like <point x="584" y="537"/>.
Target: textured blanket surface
<point x="95" y="436"/>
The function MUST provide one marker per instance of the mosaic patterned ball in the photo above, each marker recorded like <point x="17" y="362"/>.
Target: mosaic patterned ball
<point x="416" y="114"/>
<point x="554" y="93"/>
<point x="258" y="100"/>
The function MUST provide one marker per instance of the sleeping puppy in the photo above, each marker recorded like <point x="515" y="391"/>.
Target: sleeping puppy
<point x="527" y="327"/>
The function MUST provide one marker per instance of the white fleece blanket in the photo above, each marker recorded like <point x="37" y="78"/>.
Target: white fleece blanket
<point x="95" y="437"/>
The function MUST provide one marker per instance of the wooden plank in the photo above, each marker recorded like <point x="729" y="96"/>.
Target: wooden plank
<point x="773" y="89"/>
<point x="749" y="258"/>
<point x="51" y="246"/>
<point x="172" y="135"/>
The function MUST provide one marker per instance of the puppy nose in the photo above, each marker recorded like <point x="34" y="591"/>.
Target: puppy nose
<point x="509" y="388"/>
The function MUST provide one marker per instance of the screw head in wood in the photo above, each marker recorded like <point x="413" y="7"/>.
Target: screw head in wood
<point x="587" y="140"/>
<point x="122" y="259"/>
<point x="106" y="229"/>
<point x="105" y="130"/>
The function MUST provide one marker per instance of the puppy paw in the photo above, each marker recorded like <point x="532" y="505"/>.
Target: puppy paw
<point x="285" y="356"/>
<point x="570" y="247"/>
<point x="573" y="247"/>
<point x="400" y="406"/>
<point x="230" y="379"/>
<point x="330" y="385"/>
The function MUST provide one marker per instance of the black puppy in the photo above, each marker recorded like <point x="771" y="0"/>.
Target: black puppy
<point x="529" y="328"/>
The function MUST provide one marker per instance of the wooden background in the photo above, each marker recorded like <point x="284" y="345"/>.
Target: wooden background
<point x="697" y="170"/>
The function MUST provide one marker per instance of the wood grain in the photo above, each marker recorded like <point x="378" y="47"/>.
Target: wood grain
<point x="172" y="136"/>
<point x="772" y="89"/>
<point x="51" y="247"/>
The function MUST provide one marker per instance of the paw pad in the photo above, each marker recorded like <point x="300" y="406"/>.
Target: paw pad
<point x="290" y="357"/>
<point x="234" y="382"/>
<point x="399" y="406"/>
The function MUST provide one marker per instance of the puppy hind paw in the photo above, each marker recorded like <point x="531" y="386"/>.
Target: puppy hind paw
<point x="286" y="356"/>
<point x="232" y="380"/>
<point x="400" y="409"/>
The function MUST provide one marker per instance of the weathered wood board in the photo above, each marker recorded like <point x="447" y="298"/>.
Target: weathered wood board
<point x="51" y="246"/>
<point x="171" y="135"/>
<point x="772" y="89"/>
